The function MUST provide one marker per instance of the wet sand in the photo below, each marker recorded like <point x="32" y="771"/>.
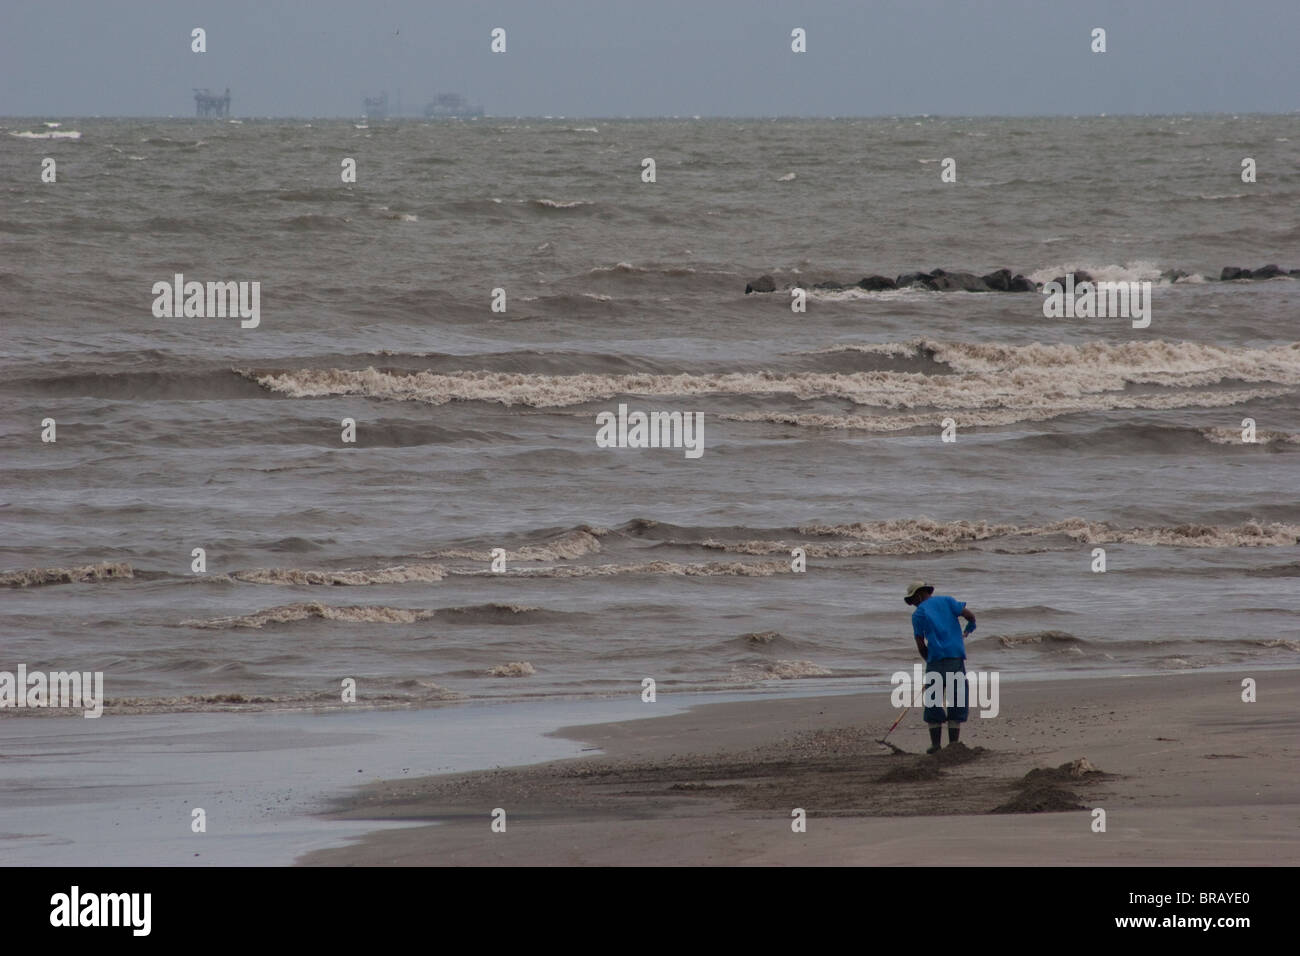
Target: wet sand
<point x="1186" y="772"/>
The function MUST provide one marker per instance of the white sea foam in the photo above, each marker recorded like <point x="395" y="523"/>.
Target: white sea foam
<point x="48" y="134"/>
<point x="777" y="670"/>
<point x="926" y="534"/>
<point x="561" y="203"/>
<point x="760" y="569"/>
<point x="87" y="573"/>
<point x="400" y="574"/>
<point x="572" y="544"/>
<point x="1137" y="271"/>
<point x="1232" y="436"/>
<point x="991" y="376"/>
<point x="288" y="613"/>
<point x="512" y="669"/>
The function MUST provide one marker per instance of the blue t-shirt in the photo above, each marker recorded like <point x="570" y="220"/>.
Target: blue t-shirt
<point x="936" y="620"/>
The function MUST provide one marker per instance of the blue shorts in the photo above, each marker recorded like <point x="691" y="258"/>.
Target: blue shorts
<point x="944" y="667"/>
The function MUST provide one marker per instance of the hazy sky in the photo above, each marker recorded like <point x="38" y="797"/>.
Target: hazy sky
<point x="653" y="58"/>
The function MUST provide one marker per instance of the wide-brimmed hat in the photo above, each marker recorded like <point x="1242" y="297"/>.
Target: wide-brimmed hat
<point x="912" y="588"/>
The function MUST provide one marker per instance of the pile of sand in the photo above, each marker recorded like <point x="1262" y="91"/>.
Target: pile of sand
<point x="1041" y="789"/>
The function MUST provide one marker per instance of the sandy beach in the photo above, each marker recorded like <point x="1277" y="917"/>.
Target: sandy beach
<point x="1185" y="770"/>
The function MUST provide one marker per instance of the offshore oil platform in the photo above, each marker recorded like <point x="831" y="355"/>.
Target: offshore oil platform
<point x="451" y="106"/>
<point x="375" y="107"/>
<point x="207" y="103"/>
<point x="444" y="106"/>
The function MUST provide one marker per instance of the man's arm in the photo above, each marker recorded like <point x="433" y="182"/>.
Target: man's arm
<point x="969" y="615"/>
<point x="920" y="646"/>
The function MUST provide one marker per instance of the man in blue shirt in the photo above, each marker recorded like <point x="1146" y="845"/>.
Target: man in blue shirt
<point x="941" y="642"/>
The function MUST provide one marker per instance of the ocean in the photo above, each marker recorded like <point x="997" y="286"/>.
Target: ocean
<point x="821" y="433"/>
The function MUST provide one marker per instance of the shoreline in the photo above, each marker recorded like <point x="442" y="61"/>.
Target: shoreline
<point x="120" y="790"/>
<point x="690" y="696"/>
<point x="1188" y="773"/>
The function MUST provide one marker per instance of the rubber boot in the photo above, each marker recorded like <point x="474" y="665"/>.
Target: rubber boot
<point x="936" y="739"/>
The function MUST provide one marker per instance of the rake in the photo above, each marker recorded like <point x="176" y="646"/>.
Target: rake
<point x="883" y="740"/>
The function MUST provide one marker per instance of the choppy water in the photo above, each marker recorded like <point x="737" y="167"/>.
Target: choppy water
<point x="476" y="430"/>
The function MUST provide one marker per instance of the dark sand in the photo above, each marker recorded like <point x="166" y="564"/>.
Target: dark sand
<point x="1186" y="771"/>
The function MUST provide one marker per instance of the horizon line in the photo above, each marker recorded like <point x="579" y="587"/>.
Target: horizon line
<point x="647" y="116"/>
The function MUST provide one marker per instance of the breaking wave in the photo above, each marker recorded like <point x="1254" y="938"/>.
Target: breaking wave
<point x="495" y="614"/>
<point x="1047" y="640"/>
<point x="924" y="534"/>
<point x="1144" y="361"/>
<point x="512" y="669"/>
<point x="414" y="694"/>
<point x="399" y="574"/>
<point x="572" y="544"/>
<point x="1282" y="643"/>
<point x="1139" y="271"/>
<point x="1263" y="436"/>
<point x="777" y="670"/>
<point x="717" y="569"/>
<point x="89" y="573"/>
<point x="289" y="613"/>
<point x="560" y="203"/>
<point x="1003" y="383"/>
